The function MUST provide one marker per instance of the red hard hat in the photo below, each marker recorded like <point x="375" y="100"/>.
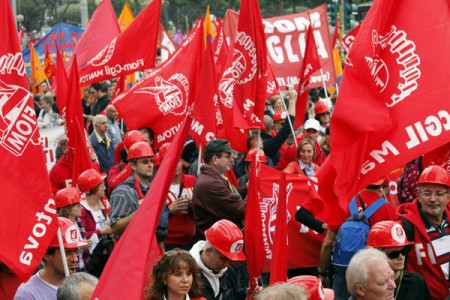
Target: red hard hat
<point x="140" y="149"/>
<point x="69" y="233"/>
<point x="434" y="174"/>
<point x="163" y="150"/>
<point x="382" y="181"/>
<point x="89" y="179"/>
<point x="387" y="234"/>
<point x="314" y="287"/>
<point x="252" y="153"/>
<point x="132" y="137"/>
<point x="279" y="115"/>
<point x="227" y="238"/>
<point x="321" y="108"/>
<point x="67" y="196"/>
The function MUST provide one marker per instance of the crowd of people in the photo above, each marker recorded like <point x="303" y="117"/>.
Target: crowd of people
<point x="200" y="230"/>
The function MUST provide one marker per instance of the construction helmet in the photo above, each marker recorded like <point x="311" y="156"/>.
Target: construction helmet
<point x="140" y="149"/>
<point x="132" y="137"/>
<point x="69" y="233"/>
<point x="314" y="287"/>
<point x="227" y="238"/>
<point x="321" y="108"/>
<point x="252" y="153"/>
<point x="67" y="196"/>
<point x="434" y="174"/>
<point x="387" y="234"/>
<point x="89" y="179"/>
<point x="280" y="115"/>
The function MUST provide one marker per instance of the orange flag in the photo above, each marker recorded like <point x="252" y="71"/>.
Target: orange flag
<point x="37" y="71"/>
<point x="49" y="65"/>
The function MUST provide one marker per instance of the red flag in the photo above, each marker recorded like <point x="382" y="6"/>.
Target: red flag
<point x="335" y="33"/>
<point x="242" y="88"/>
<point x="28" y="218"/>
<point x="254" y="246"/>
<point x="77" y="153"/>
<point x="162" y="100"/>
<point x="137" y="250"/>
<point x="102" y="28"/>
<point x="347" y="40"/>
<point x="165" y="43"/>
<point x="278" y="267"/>
<point x="49" y="65"/>
<point x="221" y="50"/>
<point x="117" y="58"/>
<point x="310" y="65"/>
<point x="61" y="83"/>
<point x="391" y="107"/>
<point x="204" y="113"/>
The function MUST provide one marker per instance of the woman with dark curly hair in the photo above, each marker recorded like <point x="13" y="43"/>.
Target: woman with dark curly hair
<point x="176" y="276"/>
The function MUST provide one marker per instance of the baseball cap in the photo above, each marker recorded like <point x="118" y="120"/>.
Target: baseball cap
<point x="312" y="124"/>
<point x="218" y="146"/>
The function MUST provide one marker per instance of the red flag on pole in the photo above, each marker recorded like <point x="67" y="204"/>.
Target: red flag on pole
<point x="162" y="100"/>
<point x="28" y="219"/>
<point x="311" y="64"/>
<point x="77" y="153"/>
<point x="118" y="58"/>
<point x="391" y="107"/>
<point x="49" y="65"/>
<point x="102" y="28"/>
<point x="137" y="250"/>
<point x="61" y="83"/>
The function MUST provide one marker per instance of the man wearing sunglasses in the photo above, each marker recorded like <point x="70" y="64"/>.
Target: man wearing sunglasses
<point x="389" y="237"/>
<point x="425" y="221"/>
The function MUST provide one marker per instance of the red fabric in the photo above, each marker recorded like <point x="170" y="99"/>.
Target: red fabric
<point x="335" y="33"/>
<point x="117" y="175"/>
<point x="162" y="100"/>
<point x="310" y="66"/>
<point x="349" y="38"/>
<point x="49" y="65"/>
<point x="89" y="223"/>
<point x="28" y="219"/>
<point x="118" y="58"/>
<point x="9" y="283"/>
<point x="390" y="107"/>
<point x="138" y="250"/>
<point x="61" y="83"/>
<point x="165" y="43"/>
<point x="220" y="47"/>
<point x="278" y="267"/>
<point x="77" y="152"/>
<point x="254" y="246"/>
<point x="181" y="225"/>
<point x="60" y="175"/>
<point x="232" y="178"/>
<point x="117" y="156"/>
<point x="294" y="168"/>
<point x="204" y="125"/>
<point x="102" y="28"/>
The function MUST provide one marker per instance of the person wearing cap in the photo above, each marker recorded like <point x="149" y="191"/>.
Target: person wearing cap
<point x="127" y="197"/>
<point x="389" y="237"/>
<point x="272" y="144"/>
<point x="68" y="205"/>
<point x="322" y="114"/>
<point x="94" y="215"/>
<point x="279" y="119"/>
<point x="101" y="142"/>
<point x="121" y="171"/>
<point x="425" y="221"/>
<point x="364" y="199"/>
<point x="224" y="244"/>
<point x="214" y="197"/>
<point x="369" y="276"/>
<point x="44" y="284"/>
<point x="311" y="130"/>
<point x="249" y="157"/>
<point x="313" y="285"/>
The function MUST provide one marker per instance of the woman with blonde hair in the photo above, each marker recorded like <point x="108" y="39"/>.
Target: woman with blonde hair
<point x="306" y="152"/>
<point x="176" y="276"/>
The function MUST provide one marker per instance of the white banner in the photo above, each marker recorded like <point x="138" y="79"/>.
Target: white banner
<point x="49" y="140"/>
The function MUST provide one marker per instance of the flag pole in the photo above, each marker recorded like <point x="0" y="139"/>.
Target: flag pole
<point x="324" y="84"/>
<point x="199" y="159"/>
<point x="289" y="119"/>
<point x="63" y="252"/>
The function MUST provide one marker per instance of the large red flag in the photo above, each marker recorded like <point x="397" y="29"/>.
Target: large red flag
<point x="165" y="43"/>
<point x="204" y="113"/>
<point x="221" y="50"/>
<point x="61" y="83"/>
<point x="392" y="105"/>
<point x="102" y="28"/>
<point x="310" y="65"/>
<point x="28" y="218"/>
<point x="132" y="260"/>
<point x="77" y="152"/>
<point x="162" y="100"/>
<point x="118" y="58"/>
<point x="242" y="88"/>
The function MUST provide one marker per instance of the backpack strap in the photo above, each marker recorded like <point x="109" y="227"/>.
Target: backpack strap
<point x="374" y="207"/>
<point x="352" y="207"/>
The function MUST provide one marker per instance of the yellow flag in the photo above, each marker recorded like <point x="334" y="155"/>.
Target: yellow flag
<point x="37" y="71"/>
<point x="208" y="27"/>
<point x="126" y="17"/>
<point x="337" y="62"/>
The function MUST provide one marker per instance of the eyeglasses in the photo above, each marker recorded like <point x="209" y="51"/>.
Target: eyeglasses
<point x="429" y="194"/>
<point x="396" y="254"/>
<point x="146" y="161"/>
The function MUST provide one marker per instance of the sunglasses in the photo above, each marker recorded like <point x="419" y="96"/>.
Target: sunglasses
<point x="175" y="252"/>
<point x="396" y="254"/>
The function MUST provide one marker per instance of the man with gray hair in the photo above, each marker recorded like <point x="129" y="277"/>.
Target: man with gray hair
<point x="77" y="286"/>
<point x="369" y="276"/>
<point x="101" y="143"/>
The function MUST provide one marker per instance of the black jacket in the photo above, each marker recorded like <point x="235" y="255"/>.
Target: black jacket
<point x="229" y="287"/>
